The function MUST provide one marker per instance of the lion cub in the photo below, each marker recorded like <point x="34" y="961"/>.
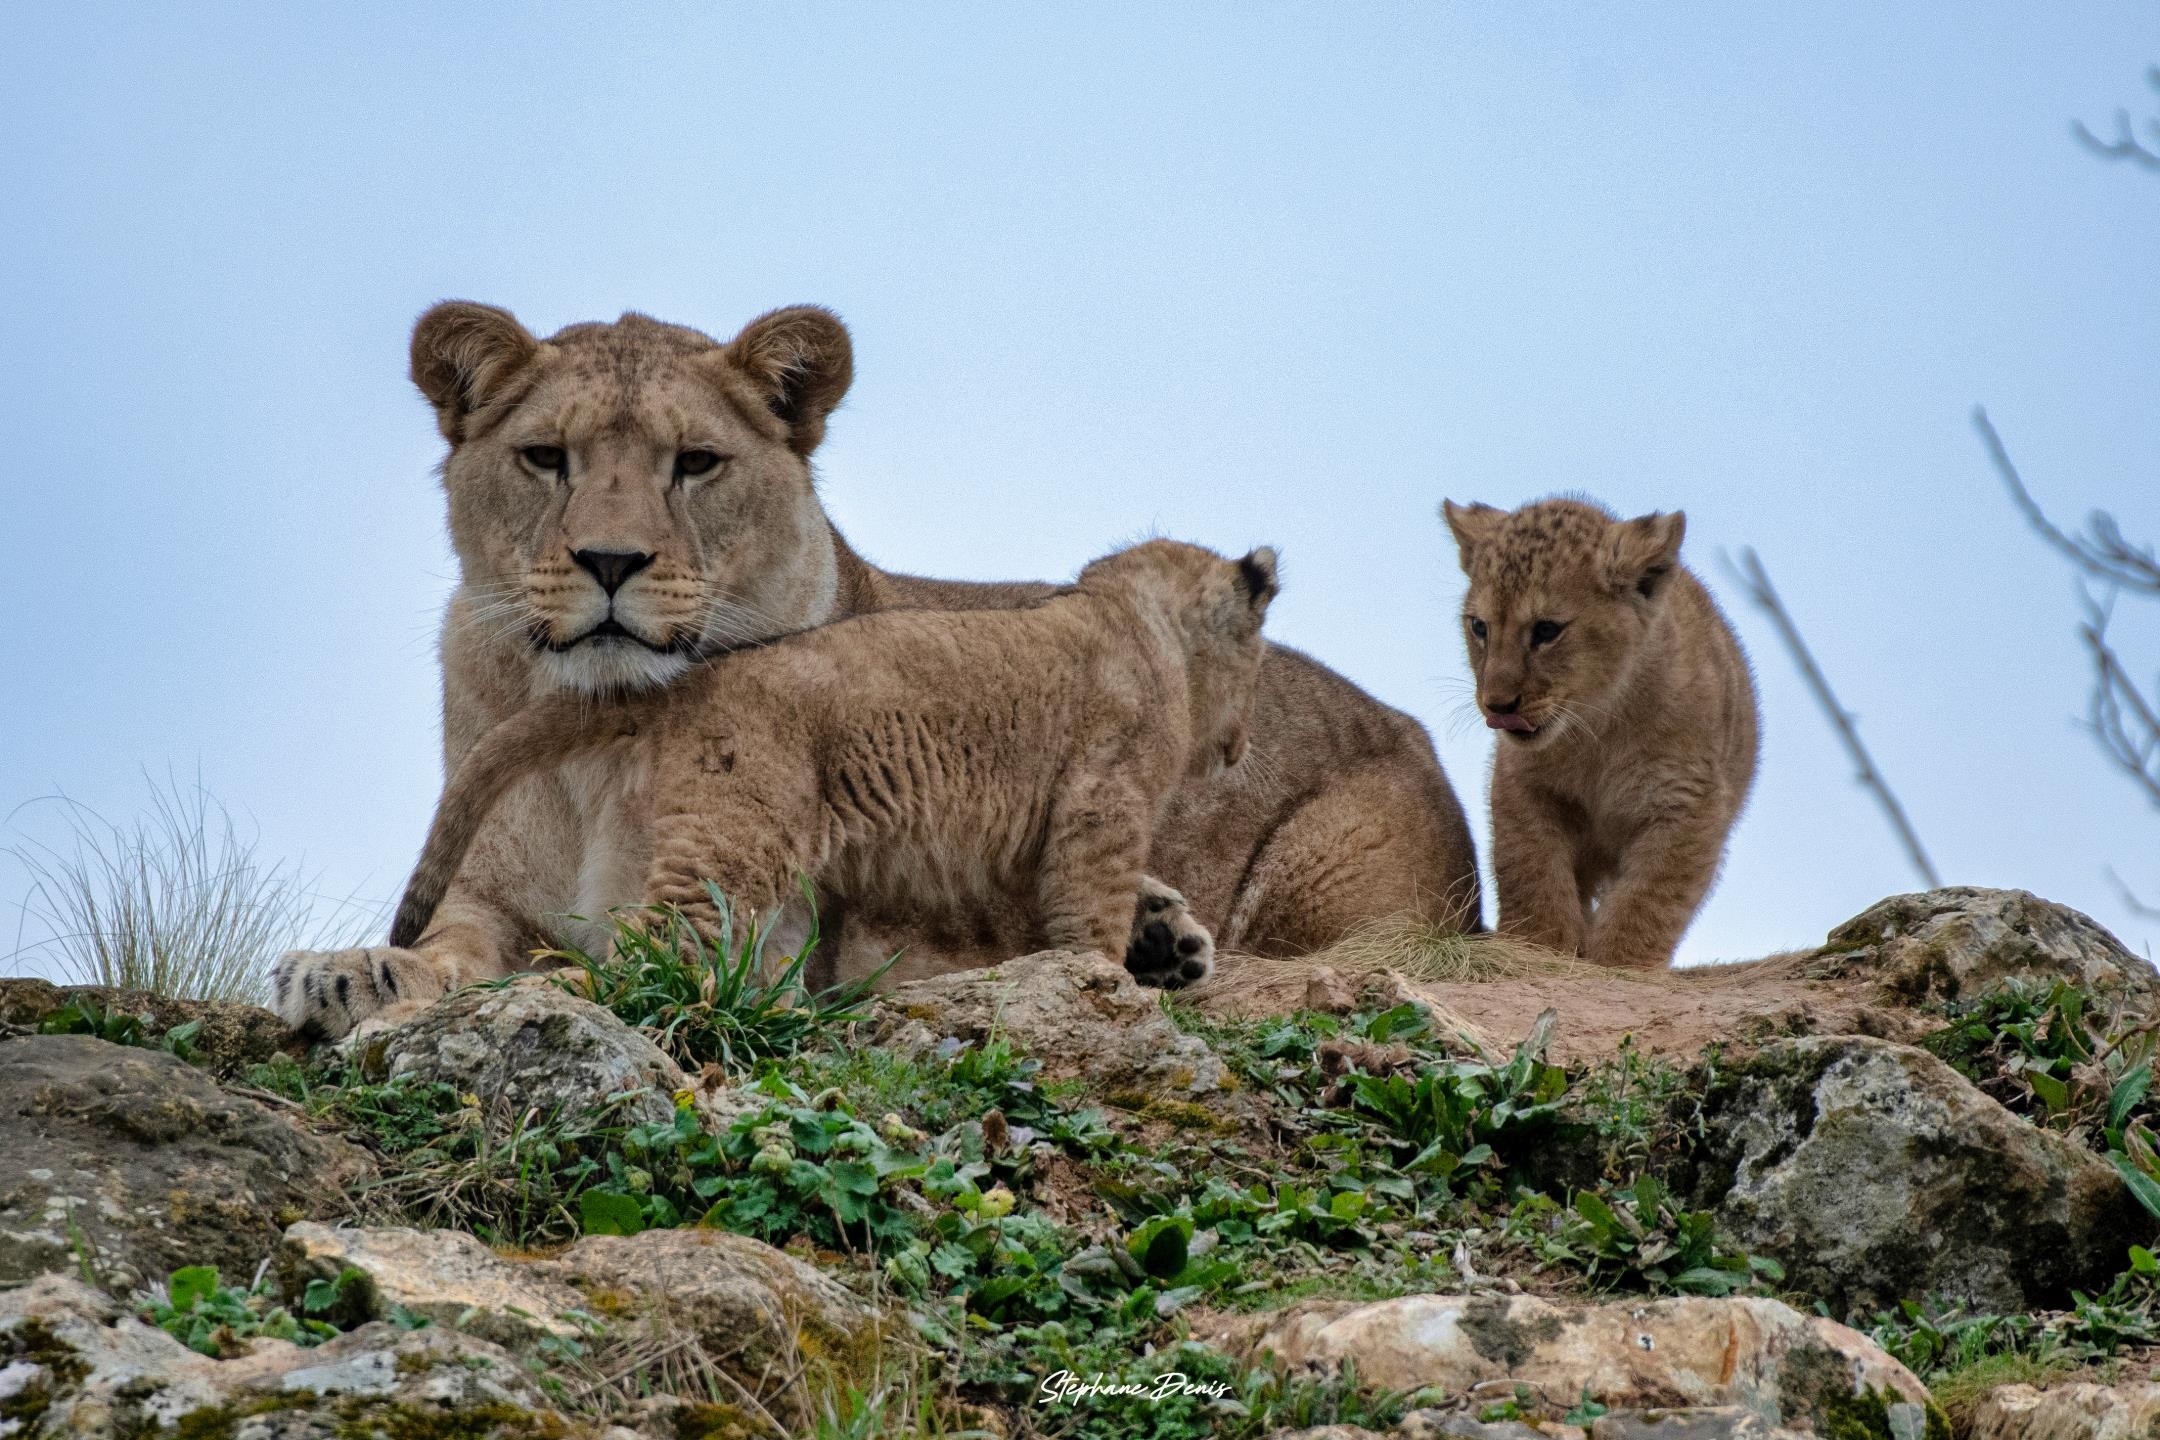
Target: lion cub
<point x="1626" y="714"/>
<point x="992" y="758"/>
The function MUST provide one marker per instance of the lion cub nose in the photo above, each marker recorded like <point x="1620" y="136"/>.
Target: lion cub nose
<point x="612" y="568"/>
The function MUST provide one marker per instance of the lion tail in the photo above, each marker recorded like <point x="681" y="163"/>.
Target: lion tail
<point x="537" y="737"/>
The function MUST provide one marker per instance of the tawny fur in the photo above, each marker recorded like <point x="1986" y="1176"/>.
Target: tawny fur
<point x="1013" y="758"/>
<point x="1341" y="813"/>
<point x="1610" y="812"/>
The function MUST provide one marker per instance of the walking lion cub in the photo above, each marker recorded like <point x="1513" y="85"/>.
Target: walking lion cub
<point x="1014" y="760"/>
<point x="1626" y="715"/>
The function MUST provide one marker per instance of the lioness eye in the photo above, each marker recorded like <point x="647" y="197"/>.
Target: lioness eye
<point x="1477" y="628"/>
<point x="1546" y="631"/>
<point x="546" y="457"/>
<point x="695" y="462"/>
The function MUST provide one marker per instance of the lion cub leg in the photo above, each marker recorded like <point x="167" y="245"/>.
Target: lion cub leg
<point x="1168" y="947"/>
<point x="1092" y="856"/>
<point x="1535" y="865"/>
<point x="1663" y="876"/>
<point x="755" y="872"/>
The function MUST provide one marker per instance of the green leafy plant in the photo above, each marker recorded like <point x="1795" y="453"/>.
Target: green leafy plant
<point x="1639" y="1236"/>
<point x="713" y="1001"/>
<point x="198" y="1309"/>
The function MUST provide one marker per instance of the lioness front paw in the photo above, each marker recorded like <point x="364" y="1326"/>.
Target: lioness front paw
<point x="323" y="994"/>
<point x="1169" y="948"/>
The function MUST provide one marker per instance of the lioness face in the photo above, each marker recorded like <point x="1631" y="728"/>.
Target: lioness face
<point x="1561" y="598"/>
<point x="627" y="497"/>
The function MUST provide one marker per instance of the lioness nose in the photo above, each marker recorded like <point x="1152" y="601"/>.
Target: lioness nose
<point x="612" y="568"/>
<point x="1508" y="707"/>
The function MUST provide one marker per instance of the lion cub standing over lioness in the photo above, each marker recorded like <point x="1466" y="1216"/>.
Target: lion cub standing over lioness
<point x="1627" y="724"/>
<point x="1018" y="758"/>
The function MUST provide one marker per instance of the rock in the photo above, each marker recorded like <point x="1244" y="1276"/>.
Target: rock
<point x="1080" y="1014"/>
<point x="1701" y="1422"/>
<point x="2082" y="1411"/>
<point x="783" y="1329"/>
<point x="1328" y="992"/>
<point x="531" y="1045"/>
<point x="786" y="1330"/>
<point x="1327" y="1432"/>
<point x="1876" y="1173"/>
<point x="1790" y="1370"/>
<point x="445" y="1275"/>
<point x="133" y="1163"/>
<point x="229" y="1037"/>
<point x="70" y="1355"/>
<point x="74" y="1362"/>
<point x="1460" y="1425"/>
<point x="1960" y="941"/>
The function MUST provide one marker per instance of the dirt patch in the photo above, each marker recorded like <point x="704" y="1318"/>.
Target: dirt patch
<point x="1675" y="1013"/>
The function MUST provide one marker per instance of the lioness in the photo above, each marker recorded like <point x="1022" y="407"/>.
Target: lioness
<point x="1626" y="716"/>
<point x="974" y="759"/>
<point x="625" y="498"/>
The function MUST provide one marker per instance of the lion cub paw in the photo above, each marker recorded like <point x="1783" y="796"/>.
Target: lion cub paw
<point x="1169" y="948"/>
<point x="324" y="994"/>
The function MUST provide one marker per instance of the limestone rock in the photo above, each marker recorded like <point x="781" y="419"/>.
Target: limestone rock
<point x="531" y="1045"/>
<point x="74" y="1362"/>
<point x="445" y="1275"/>
<point x="1080" y="1014"/>
<point x="2082" y="1411"/>
<point x="1789" y="1370"/>
<point x="229" y="1037"/>
<point x="1962" y="940"/>
<point x="786" y="1331"/>
<point x="768" y="1313"/>
<point x="135" y="1163"/>
<point x="1874" y="1172"/>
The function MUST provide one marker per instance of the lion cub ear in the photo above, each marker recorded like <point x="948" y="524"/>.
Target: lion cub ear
<point x="802" y="361"/>
<point x="1643" y="551"/>
<point x="461" y="355"/>
<point x="1256" y="576"/>
<point x="1473" y="526"/>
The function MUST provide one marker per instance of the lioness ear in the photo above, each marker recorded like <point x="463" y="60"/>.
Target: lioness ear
<point x="1256" y="574"/>
<point x="461" y="355"/>
<point x="1472" y="524"/>
<point x="1645" y="550"/>
<point x="802" y="362"/>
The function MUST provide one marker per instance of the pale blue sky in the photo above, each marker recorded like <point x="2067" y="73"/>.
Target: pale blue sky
<point x="1233" y="273"/>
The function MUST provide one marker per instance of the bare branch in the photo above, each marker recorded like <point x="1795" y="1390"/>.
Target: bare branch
<point x="1756" y="581"/>
<point x="2125" y="145"/>
<point x="2103" y="552"/>
<point x="2122" y="718"/>
<point x="2130" y="899"/>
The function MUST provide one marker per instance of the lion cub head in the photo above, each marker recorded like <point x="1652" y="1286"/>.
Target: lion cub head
<point x="627" y="497"/>
<point x="1562" y="597"/>
<point x="1216" y="607"/>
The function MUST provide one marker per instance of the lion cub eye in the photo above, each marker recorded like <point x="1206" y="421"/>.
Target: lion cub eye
<point x="1546" y="631"/>
<point x="546" y="457"/>
<point x="694" y="463"/>
<point x="1477" y="628"/>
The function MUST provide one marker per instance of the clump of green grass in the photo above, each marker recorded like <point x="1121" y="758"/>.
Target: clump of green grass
<point x="717" y="1001"/>
<point x="178" y="902"/>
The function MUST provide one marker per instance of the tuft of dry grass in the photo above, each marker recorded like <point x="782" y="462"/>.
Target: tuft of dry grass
<point x="177" y="902"/>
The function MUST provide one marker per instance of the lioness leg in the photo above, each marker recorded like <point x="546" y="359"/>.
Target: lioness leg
<point x="325" y="994"/>
<point x="1090" y="873"/>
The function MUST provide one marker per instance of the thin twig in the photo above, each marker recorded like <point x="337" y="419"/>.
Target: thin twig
<point x="2125" y="145"/>
<point x="2105" y="553"/>
<point x="1756" y="581"/>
